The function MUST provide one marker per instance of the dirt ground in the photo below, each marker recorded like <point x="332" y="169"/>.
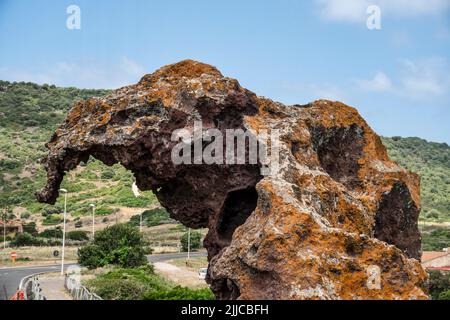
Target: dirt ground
<point x="179" y="274"/>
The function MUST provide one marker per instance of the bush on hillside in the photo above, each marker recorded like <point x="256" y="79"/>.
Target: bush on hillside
<point x="30" y="228"/>
<point x="180" y="293"/>
<point x="120" y="245"/>
<point x="142" y="283"/>
<point x="78" y="235"/>
<point x="26" y="240"/>
<point x="52" y="233"/>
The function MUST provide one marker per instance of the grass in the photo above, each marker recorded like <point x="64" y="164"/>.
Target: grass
<point x="36" y="255"/>
<point x="141" y="284"/>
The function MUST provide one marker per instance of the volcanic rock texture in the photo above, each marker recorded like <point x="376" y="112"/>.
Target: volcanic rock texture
<point x="337" y="221"/>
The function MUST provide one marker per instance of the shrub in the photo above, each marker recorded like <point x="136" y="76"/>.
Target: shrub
<point x="119" y="289"/>
<point x="120" y="244"/>
<point x="194" y="243"/>
<point x="77" y="235"/>
<point x="141" y="283"/>
<point x="30" y="228"/>
<point x="444" y="295"/>
<point x="52" y="219"/>
<point x="25" y="215"/>
<point x="91" y="256"/>
<point x="439" y="284"/>
<point x="26" y="239"/>
<point x="47" y="211"/>
<point x="180" y="293"/>
<point x="103" y="211"/>
<point x="52" y="233"/>
<point x="107" y="174"/>
<point x="79" y="224"/>
<point x="7" y="164"/>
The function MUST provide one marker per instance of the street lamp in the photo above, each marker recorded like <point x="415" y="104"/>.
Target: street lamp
<point x="64" y="229"/>
<point x="4" y="216"/>
<point x="93" y="219"/>
<point x="189" y="244"/>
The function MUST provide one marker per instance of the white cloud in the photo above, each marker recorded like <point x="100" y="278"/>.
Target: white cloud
<point x="343" y="10"/>
<point x="380" y="82"/>
<point x="418" y="80"/>
<point x="425" y="78"/>
<point x="355" y="10"/>
<point x="86" y="74"/>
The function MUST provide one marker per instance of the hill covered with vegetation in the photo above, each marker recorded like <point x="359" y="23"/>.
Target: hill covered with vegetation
<point x="431" y="161"/>
<point x="29" y="113"/>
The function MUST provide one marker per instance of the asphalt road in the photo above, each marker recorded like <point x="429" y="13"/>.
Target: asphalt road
<point x="10" y="277"/>
<point x="169" y="256"/>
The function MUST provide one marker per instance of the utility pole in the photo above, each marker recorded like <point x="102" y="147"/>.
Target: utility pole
<point x="4" y="228"/>
<point x="189" y="244"/>
<point x="64" y="230"/>
<point x="93" y="220"/>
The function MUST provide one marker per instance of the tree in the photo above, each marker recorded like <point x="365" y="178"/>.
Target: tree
<point x="120" y="244"/>
<point x="195" y="241"/>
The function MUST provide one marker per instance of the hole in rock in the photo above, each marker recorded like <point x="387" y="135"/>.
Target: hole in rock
<point x="228" y="290"/>
<point x="237" y="208"/>
<point x="396" y="221"/>
<point x="339" y="150"/>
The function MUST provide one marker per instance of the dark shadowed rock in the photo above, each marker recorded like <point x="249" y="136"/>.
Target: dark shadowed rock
<point x="336" y="209"/>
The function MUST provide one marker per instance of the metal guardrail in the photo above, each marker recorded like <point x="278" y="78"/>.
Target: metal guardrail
<point x="31" y="288"/>
<point x="78" y="291"/>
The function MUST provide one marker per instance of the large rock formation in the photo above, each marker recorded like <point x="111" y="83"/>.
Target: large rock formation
<point x="338" y="220"/>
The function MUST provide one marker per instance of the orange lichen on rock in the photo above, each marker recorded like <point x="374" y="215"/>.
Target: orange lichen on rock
<point x="337" y="220"/>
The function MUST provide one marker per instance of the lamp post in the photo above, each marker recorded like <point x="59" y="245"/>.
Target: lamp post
<point x="189" y="244"/>
<point x="93" y="219"/>
<point x="64" y="230"/>
<point x="4" y="228"/>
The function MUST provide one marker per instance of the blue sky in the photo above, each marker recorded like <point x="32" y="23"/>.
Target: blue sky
<point x="290" y="50"/>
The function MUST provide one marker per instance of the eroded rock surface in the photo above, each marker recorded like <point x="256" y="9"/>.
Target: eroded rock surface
<point x="336" y="212"/>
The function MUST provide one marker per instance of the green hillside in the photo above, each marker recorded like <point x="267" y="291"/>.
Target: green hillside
<point x="29" y="113"/>
<point x="432" y="162"/>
